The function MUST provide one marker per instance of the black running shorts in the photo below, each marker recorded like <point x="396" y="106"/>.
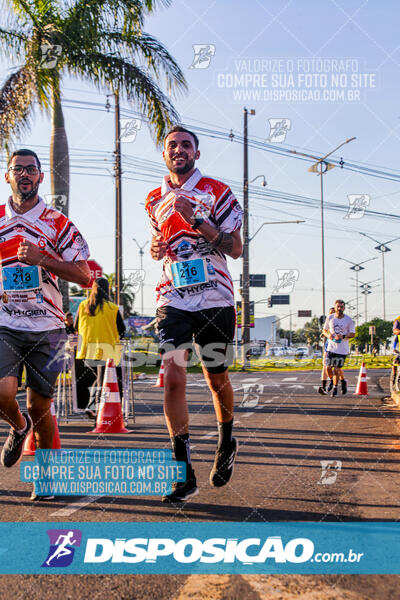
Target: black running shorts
<point x="41" y="352"/>
<point x="335" y="360"/>
<point x="212" y="331"/>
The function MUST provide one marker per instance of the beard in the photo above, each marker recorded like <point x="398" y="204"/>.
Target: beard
<point x="188" y="166"/>
<point x="24" y="196"/>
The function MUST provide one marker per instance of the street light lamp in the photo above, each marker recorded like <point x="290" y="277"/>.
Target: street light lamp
<point x="321" y="167"/>
<point x="141" y="253"/>
<point x="382" y="247"/>
<point x="264" y="181"/>
<point x="356" y="267"/>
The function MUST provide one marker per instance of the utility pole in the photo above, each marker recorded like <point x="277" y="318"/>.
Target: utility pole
<point x="245" y="255"/>
<point x="118" y="204"/>
<point x="141" y="253"/>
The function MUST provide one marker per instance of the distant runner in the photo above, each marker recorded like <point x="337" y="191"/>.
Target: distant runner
<point x="195" y="222"/>
<point x="324" y="373"/>
<point x="37" y="245"/>
<point x="338" y="328"/>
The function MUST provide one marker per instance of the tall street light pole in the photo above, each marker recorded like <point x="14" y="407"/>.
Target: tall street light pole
<point x="141" y="253"/>
<point x="245" y="254"/>
<point x="321" y="166"/>
<point x="382" y="247"/>
<point x="356" y="267"/>
<point x="365" y="290"/>
<point x="118" y="204"/>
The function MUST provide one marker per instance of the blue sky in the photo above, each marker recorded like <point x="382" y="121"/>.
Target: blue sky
<point x="265" y="41"/>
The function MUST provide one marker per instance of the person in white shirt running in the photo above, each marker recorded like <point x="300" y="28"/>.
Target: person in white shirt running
<point x="339" y="329"/>
<point x="195" y="222"/>
<point x="37" y="245"/>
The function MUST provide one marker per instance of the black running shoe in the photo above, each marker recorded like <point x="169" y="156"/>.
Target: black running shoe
<point x="36" y="498"/>
<point x="344" y="387"/>
<point x="322" y="390"/>
<point x="330" y="385"/>
<point x="182" y="491"/>
<point x="334" y="391"/>
<point x="223" y="464"/>
<point x="14" y="444"/>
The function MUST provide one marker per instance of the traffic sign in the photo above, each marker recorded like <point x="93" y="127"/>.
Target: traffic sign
<point x="96" y="271"/>
<point x="304" y="313"/>
<point x="280" y="299"/>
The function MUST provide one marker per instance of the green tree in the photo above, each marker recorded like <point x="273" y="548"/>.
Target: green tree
<point x="312" y="332"/>
<point x="382" y="335"/>
<point x="101" y="41"/>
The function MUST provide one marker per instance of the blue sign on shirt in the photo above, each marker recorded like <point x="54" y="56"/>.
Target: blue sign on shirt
<point x="20" y="279"/>
<point x="188" y="272"/>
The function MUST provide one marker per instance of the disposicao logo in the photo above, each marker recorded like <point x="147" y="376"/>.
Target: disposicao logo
<point x="62" y="547"/>
<point x="190" y="550"/>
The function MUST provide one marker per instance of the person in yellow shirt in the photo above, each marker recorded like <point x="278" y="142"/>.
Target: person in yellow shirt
<point x="100" y="327"/>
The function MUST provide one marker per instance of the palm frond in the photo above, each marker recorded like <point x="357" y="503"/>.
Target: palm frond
<point x="17" y="98"/>
<point x="142" y="46"/>
<point x="113" y="72"/>
<point x="24" y="9"/>
<point x="12" y="42"/>
<point x="104" y="12"/>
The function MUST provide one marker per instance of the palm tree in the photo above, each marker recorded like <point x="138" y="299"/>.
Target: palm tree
<point x="101" y="41"/>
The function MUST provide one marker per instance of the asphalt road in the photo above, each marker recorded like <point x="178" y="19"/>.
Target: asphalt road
<point x="302" y="457"/>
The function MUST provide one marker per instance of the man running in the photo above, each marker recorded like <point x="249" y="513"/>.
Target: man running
<point x="338" y="328"/>
<point x="324" y="373"/>
<point x="195" y="222"/>
<point x="37" y="245"/>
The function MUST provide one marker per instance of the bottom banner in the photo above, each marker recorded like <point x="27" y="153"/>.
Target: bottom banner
<point x="185" y="548"/>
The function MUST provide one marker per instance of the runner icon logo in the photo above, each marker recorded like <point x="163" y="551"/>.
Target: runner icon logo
<point x="62" y="547"/>
<point x="330" y="470"/>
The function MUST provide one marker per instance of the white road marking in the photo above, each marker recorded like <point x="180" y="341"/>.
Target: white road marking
<point x="248" y="414"/>
<point x="289" y="379"/>
<point x="208" y="436"/>
<point x="74" y="506"/>
<point x="250" y="380"/>
<point x="298" y="386"/>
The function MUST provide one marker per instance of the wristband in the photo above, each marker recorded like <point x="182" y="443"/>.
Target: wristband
<point x="197" y="222"/>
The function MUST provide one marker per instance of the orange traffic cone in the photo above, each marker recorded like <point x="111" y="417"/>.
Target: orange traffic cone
<point x="160" y="379"/>
<point x="30" y="447"/>
<point x="109" y="417"/>
<point x="362" y="386"/>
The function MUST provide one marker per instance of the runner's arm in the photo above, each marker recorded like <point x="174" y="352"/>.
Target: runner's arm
<point x="76" y="272"/>
<point x="228" y="243"/>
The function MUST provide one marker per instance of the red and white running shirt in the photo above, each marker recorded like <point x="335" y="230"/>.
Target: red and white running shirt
<point x="35" y="308"/>
<point x="215" y="203"/>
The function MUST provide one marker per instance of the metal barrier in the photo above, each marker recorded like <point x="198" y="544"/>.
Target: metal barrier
<point x="66" y="399"/>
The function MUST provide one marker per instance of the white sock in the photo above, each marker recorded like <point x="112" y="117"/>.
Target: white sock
<point x="20" y="431"/>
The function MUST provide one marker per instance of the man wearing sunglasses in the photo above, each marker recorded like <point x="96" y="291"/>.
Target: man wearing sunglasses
<point x="37" y="246"/>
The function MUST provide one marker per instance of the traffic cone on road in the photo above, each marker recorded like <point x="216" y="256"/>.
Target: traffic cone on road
<point x="160" y="379"/>
<point x="109" y="417"/>
<point x="362" y="386"/>
<point x="30" y="447"/>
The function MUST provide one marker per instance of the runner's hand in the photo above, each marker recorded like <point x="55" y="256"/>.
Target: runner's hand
<point x="158" y="247"/>
<point x="28" y="253"/>
<point x="183" y="206"/>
